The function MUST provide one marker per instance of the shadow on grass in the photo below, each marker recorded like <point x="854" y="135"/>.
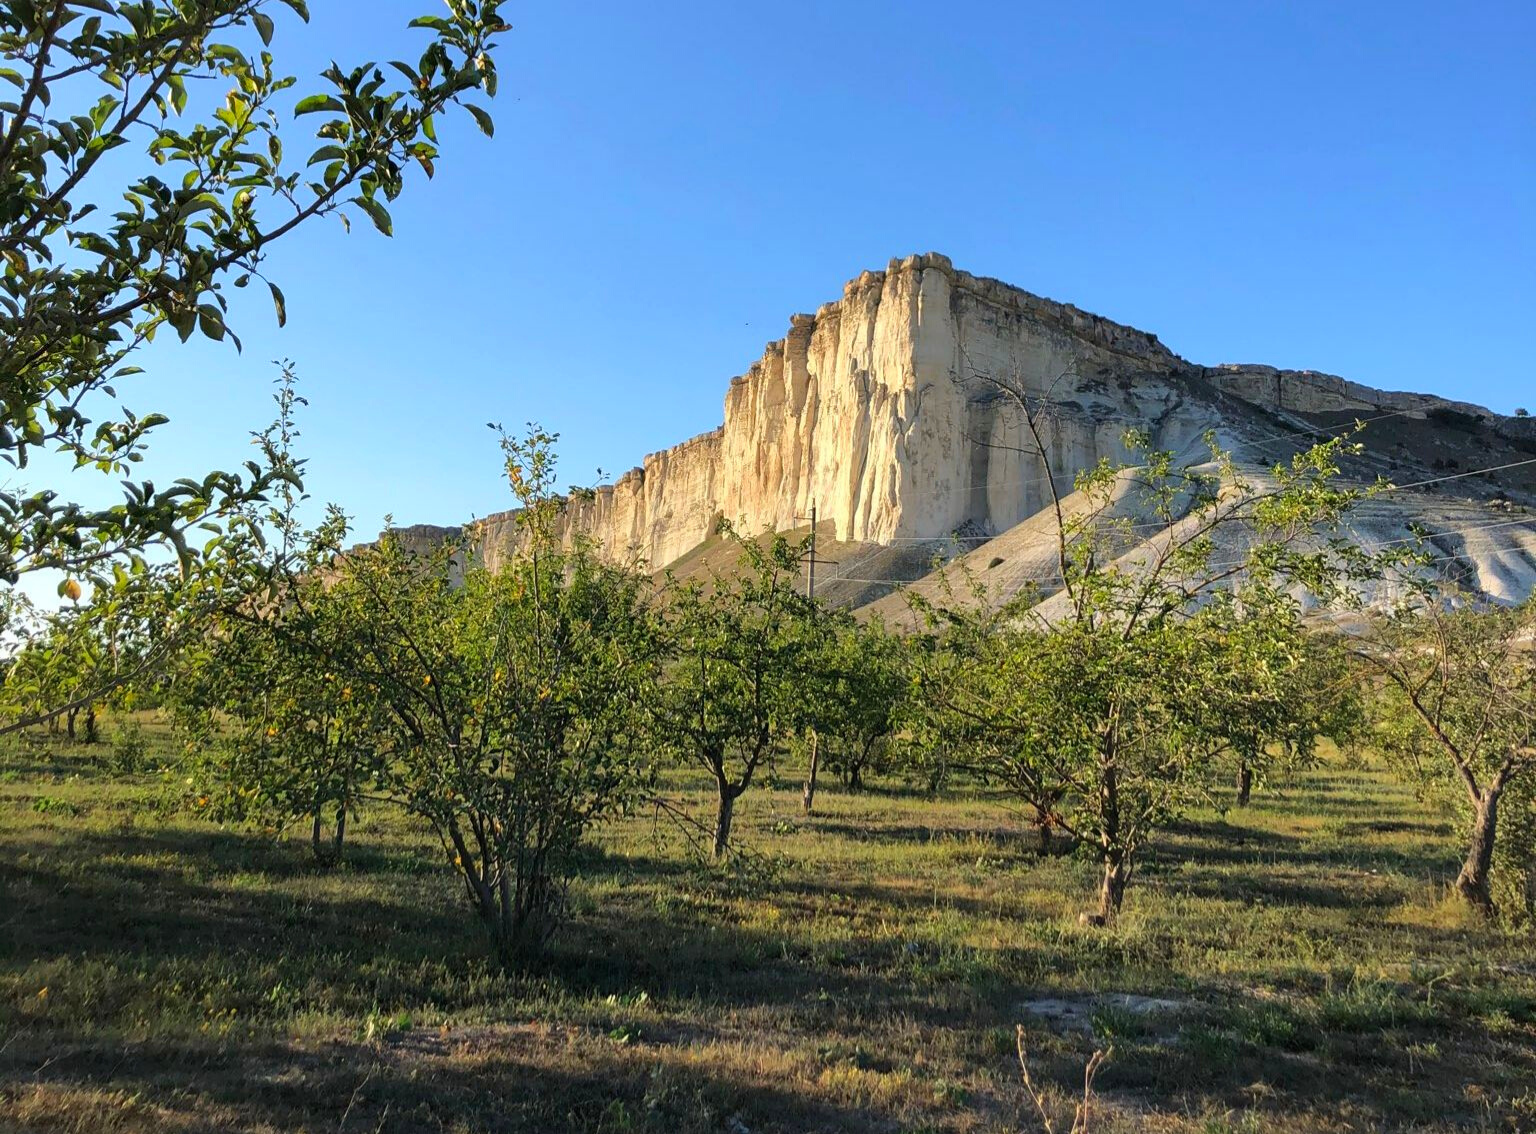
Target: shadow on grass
<point x="495" y="1079"/>
<point x="170" y="906"/>
<point x="1228" y="844"/>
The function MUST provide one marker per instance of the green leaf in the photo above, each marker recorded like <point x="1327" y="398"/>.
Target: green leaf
<point x="482" y="118"/>
<point x="301" y="7"/>
<point x="377" y="213"/>
<point x="263" y="27"/>
<point x="318" y="102"/>
<point x="184" y="321"/>
<point x="211" y="319"/>
<point x="280" y="303"/>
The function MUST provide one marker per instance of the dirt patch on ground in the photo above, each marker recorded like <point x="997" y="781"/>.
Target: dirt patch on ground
<point x="1080" y="1014"/>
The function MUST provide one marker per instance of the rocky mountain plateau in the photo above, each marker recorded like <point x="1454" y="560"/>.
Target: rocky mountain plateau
<point x="882" y="410"/>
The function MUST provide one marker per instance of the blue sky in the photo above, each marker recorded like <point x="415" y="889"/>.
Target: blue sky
<point x="1346" y="187"/>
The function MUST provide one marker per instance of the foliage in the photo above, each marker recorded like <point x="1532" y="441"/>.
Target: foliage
<point x="1456" y="711"/>
<point x="91" y="652"/>
<point x="863" y="703"/>
<point x="281" y="729"/>
<point x="83" y="289"/>
<point x="1106" y="708"/>
<point x="1269" y="720"/>
<point x="191" y="86"/>
<point x="743" y="670"/>
<point x="512" y="700"/>
<point x="275" y="730"/>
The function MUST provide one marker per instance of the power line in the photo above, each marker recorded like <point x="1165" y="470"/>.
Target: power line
<point x="1427" y="536"/>
<point x="1458" y="476"/>
<point x="1272" y="439"/>
<point x="1161" y="525"/>
<point x="957" y="538"/>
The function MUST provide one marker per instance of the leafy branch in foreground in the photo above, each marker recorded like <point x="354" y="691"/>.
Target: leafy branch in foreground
<point x="192" y="86"/>
<point x="137" y="616"/>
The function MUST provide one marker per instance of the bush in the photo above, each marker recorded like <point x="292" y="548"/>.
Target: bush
<point x="130" y="752"/>
<point x="512" y="702"/>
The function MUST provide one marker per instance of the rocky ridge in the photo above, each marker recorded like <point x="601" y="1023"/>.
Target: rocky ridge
<point x="882" y="410"/>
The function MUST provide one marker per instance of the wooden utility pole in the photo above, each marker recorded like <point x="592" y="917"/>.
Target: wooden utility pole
<point x="808" y="796"/>
<point x="810" y="574"/>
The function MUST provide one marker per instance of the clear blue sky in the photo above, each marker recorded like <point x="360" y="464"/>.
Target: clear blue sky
<point x="1346" y="187"/>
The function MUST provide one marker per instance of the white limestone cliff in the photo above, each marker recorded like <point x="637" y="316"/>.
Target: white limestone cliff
<point x="878" y="409"/>
<point x="874" y="410"/>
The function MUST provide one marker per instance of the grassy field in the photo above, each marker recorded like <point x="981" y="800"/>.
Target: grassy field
<point x="1295" y="966"/>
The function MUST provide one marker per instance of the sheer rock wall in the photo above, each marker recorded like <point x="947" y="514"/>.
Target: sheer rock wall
<point x="878" y="410"/>
<point x="875" y="410"/>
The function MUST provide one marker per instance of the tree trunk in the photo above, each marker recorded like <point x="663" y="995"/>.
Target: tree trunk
<point x="316" y="847"/>
<point x="723" y="811"/>
<point x="1111" y="849"/>
<point x="1117" y="873"/>
<point x="1244" y="783"/>
<point x="340" y="834"/>
<point x="1472" y="882"/>
<point x="91" y="735"/>
<point x="69" y="724"/>
<point x="809" y="795"/>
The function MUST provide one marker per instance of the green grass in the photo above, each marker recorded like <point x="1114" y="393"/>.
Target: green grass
<point x="863" y="970"/>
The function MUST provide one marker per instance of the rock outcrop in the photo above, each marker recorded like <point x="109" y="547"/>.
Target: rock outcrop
<point x="877" y="409"/>
<point x="884" y="411"/>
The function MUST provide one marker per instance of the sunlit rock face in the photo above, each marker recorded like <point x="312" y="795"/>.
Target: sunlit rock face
<point x="877" y="409"/>
<point x="883" y="410"/>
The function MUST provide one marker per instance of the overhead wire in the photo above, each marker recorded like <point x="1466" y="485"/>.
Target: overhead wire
<point x="955" y="537"/>
<point x="1426" y="536"/>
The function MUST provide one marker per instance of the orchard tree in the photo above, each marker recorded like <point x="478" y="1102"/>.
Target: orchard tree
<point x="864" y="702"/>
<point x="513" y="699"/>
<point x="259" y="688"/>
<point x="974" y="714"/>
<point x="102" y="643"/>
<point x="281" y="728"/>
<point x="743" y="669"/>
<point x="1456" y="709"/>
<point x="58" y="667"/>
<point x="100" y="255"/>
<point x="1108" y="703"/>
<point x="1317" y="695"/>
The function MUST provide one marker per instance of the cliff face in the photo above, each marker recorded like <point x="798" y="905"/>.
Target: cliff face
<point x="875" y="410"/>
<point x="878" y="410"/>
